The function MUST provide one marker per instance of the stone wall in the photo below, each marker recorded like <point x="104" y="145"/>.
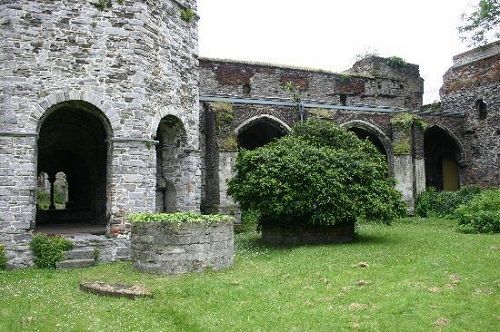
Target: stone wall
<point x="472" y="87"/>
<point x="135" y="63"/>
<point x="166" y="248"/>
<point x="370" y="81"/>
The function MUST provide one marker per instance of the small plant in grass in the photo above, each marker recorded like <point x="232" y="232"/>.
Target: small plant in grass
<point x="481" y="214"/>
<point x="3" y="257"/>
<point x="179" y="218"/>
<point x="320" y="174"/>
<point x="49" y="250"/>
<point x="442" y="204"/>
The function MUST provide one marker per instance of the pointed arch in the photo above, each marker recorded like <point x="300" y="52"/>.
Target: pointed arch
<point x="373" y="132"/>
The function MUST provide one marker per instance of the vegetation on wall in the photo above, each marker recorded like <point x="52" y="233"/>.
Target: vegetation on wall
<point x="320" y="174"/>
<point x="178" y="218"/>
<point x="482" y="25"/>
<point x="402" y="146"/>
<point x="395" y="62"/>
<point x="405" y="121"/>
<point x="187" y="14"/>
<point x="293" y="91"/>
<point x="106" y="4"/>
<point x="49" y="250"/>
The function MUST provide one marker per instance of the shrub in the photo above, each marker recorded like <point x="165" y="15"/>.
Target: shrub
<point x="481" y="214"/>
<point x="442" y="204"/>
<point x="320" y="174"/>
<point x="49" y="250"/>
<point x="3" y="257"/>
<point x="179" y="218"/>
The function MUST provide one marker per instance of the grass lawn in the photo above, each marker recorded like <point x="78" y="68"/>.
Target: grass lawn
<point x="421" y="275"/>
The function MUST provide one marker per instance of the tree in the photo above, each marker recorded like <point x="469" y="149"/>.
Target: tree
<point x="320" y="174"/>
<point x="482" y="24"/>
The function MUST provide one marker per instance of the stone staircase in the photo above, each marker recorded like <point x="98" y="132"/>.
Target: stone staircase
<point x="79" y="257"/>
<point x="88" y="250"/>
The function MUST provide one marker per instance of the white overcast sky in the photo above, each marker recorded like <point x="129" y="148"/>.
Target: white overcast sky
<point x="328" y="34"/>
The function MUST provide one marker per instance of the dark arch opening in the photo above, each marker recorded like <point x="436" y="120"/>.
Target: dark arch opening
<point x="259" y="133"/>
<point x="73" y="153"/>
<point x="374" y="139"/>
<point x="170" y="152"/>
<point x="441" y="160"/>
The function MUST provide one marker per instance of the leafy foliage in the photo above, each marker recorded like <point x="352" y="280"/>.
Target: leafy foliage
<point x="49" y="250"/>
<point x="3" y="257"/>
<point x="179" y="218"/>
<point x="320" y="174"/>
<point x="433" y="203"/>
<point x="481" y="214"/>
<point x="293" y="91"/>
<point x="395" y="62"/>
<point x="407" y="120"/>
<point x="187" y="14"/>
<point x="483" y="20"/>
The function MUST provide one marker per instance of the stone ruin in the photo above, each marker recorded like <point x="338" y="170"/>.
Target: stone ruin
<point x="117" y="100"/>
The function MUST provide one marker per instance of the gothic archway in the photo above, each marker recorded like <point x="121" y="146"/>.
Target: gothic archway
<point x="442" y="156"/>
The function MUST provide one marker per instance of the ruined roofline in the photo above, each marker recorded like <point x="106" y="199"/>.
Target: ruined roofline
<point x="476" y="54"/>
<point x="286" y="67"/>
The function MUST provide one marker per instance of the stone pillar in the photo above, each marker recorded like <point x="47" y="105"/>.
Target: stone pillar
<point x="190" y="189"/>
<point x="418" y="161"/>
<point x="132" y="181"/>
<point x="403" y="165"/>
<point x="17" y="195"/>
<point x="227" y="205"/>
<point x="52" y="181"/>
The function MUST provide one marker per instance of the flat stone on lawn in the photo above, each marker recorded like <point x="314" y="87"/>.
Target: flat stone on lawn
<point x="115" y="290"/>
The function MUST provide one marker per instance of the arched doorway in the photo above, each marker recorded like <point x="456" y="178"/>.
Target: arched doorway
<point x="442" y="154"/>
<point x="170" y="155"/>
<point x="374" y="139"/>
<point x="72" y="162"/>
<point x="259" y="132"/>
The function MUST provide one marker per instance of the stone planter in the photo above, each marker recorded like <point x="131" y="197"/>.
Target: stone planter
<point x="307" y="234"/>
<point x="169" y="248"/>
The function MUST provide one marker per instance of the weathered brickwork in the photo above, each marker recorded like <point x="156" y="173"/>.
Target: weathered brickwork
<point x="135" y="63"/>
<point x="472" y="86"/>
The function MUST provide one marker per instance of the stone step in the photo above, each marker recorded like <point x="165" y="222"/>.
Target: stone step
<point x="75" y="263"/>
<point x="83" y="253"/>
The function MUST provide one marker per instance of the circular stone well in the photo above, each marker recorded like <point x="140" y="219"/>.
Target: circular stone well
<point x="169" y="248"/>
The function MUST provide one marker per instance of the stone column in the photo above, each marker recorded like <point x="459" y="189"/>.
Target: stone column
<point x="403" y="165"/>
<point x="17" y="195"/>
<point x="418" y="161"/>
<point x="131" y="181"/>
<point x="52" y="181"/>
<point x="227" y="205"/>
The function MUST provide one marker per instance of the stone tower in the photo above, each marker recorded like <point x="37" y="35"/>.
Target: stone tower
<point x="107" y="93"/>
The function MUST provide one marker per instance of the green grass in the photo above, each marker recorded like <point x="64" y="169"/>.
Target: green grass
<point x="421" y="276"/>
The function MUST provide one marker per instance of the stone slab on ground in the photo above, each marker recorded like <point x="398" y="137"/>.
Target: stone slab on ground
<point x="115" y="290"/>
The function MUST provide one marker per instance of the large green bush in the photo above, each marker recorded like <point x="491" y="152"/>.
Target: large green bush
<point x="49" y="250"/>
<point x="481" y="214"/>
<point x="3" y="257"/>
<point x="320" y="174"/>
<point x="442" y="204"/>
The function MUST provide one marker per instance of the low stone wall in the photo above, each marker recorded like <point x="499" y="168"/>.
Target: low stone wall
<point x="306" y="234"/>
<point x="166" y="248"/>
